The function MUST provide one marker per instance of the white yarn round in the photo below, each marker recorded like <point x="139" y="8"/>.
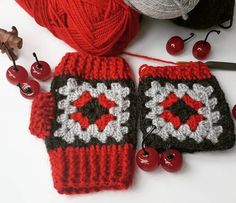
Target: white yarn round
<point x="163" y="9"/>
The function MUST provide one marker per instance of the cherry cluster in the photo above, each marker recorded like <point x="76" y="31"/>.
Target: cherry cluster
<point x="148" y="158"/>
<point x="201" y="48"/>
<point x="18" y="75"/>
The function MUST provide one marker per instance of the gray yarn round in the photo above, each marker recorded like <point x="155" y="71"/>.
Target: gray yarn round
<point x="163" y="9"/>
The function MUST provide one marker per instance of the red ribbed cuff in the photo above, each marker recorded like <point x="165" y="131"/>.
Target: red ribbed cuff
<point x="182" y="71"/>
<point x="77" y="170"/>
<point x="94" y="67"/>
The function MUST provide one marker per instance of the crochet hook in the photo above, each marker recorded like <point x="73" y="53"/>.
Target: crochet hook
<point x="221" y="65"/>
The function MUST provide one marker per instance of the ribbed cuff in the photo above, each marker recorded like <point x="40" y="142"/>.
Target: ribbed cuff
<point x="94" y="67"/>
<point x="77" y="170"/>
<point x="182" y="71"/>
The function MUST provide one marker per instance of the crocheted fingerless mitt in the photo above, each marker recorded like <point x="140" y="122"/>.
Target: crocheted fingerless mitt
<point x="186" y="106"/>
<point x="88" y="121"/>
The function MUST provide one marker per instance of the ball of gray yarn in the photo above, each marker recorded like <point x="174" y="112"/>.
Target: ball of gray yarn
<point x="163" y="9"/>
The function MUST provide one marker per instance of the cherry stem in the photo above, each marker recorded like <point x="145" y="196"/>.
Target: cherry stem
<point x="36" y="58"/>
<point x="191" y="36"/>
<point x="28" y="90"/>
<point x="217" y="31"/>
<point x="12" y="58"/>
<point x="169" y="155"/>
<point x="144" y="139"/>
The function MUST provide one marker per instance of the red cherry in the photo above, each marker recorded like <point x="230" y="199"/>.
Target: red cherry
<point x="40" y="70"/>
<point x="16" y="74"/>
<point x="171" y="160"/>
<point x="175" y="45"/>
<point x="148" y="159"/>
<point x="202" y="48"/>
<point x="29" y="89"/>
<point x="234" y="111"/>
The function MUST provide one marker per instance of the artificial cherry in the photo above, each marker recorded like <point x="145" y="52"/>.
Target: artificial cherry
<point x="15" y="74"/>
<point x="175" y="45"/>
<point x="29" y="89"/>
<point x="148" y="159"/>
<point x="171" y="160"/>
<point x="234" y="111"/>
<point x="40" y="70"/>
<point x="202" y="48"/>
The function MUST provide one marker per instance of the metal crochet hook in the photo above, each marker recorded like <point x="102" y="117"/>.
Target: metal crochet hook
<point x="221" y="65"/>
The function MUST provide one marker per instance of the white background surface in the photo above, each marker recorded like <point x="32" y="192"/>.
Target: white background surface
<point x="25" y="175"/>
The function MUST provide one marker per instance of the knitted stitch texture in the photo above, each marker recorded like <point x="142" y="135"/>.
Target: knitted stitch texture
<point x="97" y="27"/>
<point x="163" y="9"/>
<point x="88" y="122"/>
<point x="187" y="107"/>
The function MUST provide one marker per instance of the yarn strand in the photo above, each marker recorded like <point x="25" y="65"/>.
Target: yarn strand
<point x="149" y="58"/>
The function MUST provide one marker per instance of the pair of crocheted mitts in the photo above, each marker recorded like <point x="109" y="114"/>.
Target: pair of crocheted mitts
<point x="88" y="119"/>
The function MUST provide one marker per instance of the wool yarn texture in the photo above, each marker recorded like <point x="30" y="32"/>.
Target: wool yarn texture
<point x="97" y="27"/>
<point x="88" y="121"/>
<point x="163" y="9"/>
<point x="186" y="106"/>
<point x="209" y="13"/>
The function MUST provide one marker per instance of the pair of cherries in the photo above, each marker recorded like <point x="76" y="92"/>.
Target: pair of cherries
<point x="29" y="88"/>
<point x="200" y="51"/>
<point x="148" y="159"/>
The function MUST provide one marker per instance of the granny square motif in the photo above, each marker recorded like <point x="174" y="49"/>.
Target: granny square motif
<point x="93" y="112"/>
<point x="187" y="108"/>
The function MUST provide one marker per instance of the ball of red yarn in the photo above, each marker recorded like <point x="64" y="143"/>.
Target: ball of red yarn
<point x="99" y="27"/>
